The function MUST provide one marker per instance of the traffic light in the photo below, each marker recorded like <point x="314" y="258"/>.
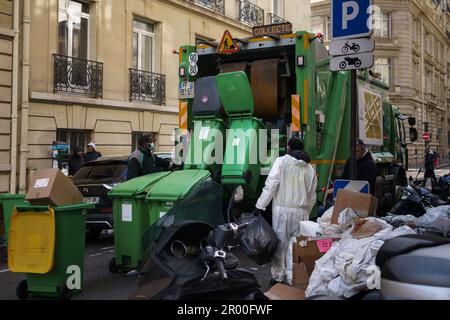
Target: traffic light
<point x="426" y="127"/>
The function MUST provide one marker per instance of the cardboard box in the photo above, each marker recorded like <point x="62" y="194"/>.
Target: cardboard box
<point x="365" y="229"/>
<point x="305" y="257"/>
<point x="364" y="204"/>
<point x="50" y="187"/>
<point x="284" y="292"/>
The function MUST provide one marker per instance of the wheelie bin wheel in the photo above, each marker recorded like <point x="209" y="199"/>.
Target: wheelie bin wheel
<point x="113" y="267"/>
<point x="22" y="290"/>
<point x="65" y="293"/>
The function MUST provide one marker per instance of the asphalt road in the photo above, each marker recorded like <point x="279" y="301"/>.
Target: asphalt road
<point x="100" y="284"/>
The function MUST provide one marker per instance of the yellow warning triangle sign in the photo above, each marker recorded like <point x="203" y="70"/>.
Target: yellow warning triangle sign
<point x="227" y="45"/>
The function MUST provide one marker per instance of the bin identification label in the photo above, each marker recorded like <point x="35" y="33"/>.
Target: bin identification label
<point x="41" y="183"/>
<point x="127" y="215"/>
<point x="204" y="132"/>
<point x="236" y="142"/>
<point x="324" y="245"/>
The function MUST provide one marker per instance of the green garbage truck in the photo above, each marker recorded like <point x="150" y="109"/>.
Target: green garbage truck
<point x="241" y="100"/>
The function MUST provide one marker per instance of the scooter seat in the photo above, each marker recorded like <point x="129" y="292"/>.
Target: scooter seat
<point x="429" y="267"/>
<point x="418" y="259"/>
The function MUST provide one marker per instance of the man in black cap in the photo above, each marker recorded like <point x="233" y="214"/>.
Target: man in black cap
<point x="143" y="161"/>
<point x="366" y="167"/>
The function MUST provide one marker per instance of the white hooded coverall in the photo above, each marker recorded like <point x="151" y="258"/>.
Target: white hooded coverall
<point x="292" y="185"/>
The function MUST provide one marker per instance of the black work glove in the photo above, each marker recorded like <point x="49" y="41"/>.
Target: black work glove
<point x="257" y="212"/>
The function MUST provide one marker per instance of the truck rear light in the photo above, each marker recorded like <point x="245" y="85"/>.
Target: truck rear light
<point x="300" y="61"/>
<point x="182" y="72"/>
<point x="106" y="210"/>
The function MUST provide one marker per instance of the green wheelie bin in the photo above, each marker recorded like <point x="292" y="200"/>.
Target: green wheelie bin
<point x="7" y="204"/>
<point x="167" y="192"/>
<point x="54" y="264"/>
<point x="131" y="220"/>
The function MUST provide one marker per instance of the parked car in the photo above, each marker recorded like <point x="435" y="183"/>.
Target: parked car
<point x="94" y="180"/>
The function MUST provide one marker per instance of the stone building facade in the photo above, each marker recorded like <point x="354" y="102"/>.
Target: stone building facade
<point x="104" y="70"/>
<point x="412" y="55"/>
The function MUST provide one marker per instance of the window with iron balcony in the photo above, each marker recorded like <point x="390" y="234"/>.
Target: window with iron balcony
<point x="250" y="13"/>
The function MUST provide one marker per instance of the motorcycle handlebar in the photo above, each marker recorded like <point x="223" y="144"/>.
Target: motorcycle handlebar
<point x="221" y="268"/>
<point x="219" y="259"/>
<point x="238" y="227"/>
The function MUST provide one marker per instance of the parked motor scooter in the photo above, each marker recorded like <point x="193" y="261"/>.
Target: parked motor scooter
<point x="184" y="264"/>
<point x="190" y="261"/>
<point x="412" y="267"/>
<point x="415" y="201"/>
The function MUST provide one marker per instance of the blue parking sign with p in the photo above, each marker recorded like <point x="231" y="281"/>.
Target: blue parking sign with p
<point x="351" y="19"/>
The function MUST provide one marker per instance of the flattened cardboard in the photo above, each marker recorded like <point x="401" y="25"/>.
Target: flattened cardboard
<point x="364" y="204"/>
<point x="50" y="187"/>
<point x="284" y="292"/>
<point x="304" y="260"/>
<point x="365" y="229"/>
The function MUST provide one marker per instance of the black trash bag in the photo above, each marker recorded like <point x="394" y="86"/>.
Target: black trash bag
<point x="258" y="239"/>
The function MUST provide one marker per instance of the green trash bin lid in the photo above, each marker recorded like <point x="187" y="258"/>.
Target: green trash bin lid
<point x="137" y="186"/>
<point x="72" y="207"/>
<point x="9" y="196"/>
<point x="177" y="185"/>
<point x="235" y="93"/>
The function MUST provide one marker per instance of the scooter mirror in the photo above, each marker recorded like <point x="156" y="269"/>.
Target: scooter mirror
<point x="238" y="194"/>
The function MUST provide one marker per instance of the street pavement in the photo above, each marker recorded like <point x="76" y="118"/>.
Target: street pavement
<point x="100" y="284"/>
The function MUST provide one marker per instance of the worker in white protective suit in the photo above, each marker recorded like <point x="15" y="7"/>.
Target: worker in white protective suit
<point x="291" y="184"/>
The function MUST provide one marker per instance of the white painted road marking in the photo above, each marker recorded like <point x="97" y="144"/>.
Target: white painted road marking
<point x="107" y="248"/>
<point x="4" y="271"/>
<point x="100" y="253"/>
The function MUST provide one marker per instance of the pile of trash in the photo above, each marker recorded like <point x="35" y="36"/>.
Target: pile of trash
<point x="435" y="220"/>
<point x="344" y="270"/>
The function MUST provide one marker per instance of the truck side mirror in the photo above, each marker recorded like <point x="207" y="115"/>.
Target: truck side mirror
<point x="413" y="135"/>
<point x="412" y="121"/>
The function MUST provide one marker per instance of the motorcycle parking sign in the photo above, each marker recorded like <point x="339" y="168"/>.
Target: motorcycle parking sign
<point x="351" y="47"/>
<point x="352" y="62"/>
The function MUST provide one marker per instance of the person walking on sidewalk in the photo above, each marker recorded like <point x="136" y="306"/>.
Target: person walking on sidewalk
<point x="291" y="184"/>
<point x="91" y="153"/>
<point x="430" y="164"/>
<point x="76" y="161"/>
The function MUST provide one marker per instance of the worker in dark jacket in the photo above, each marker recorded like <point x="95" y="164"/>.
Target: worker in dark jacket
<point x="143" y="161"/>
<point x="430" y="164"/>
<point x="366" y="168"/>
<point x="76" y="161"/>
<point x="91" y="153"/>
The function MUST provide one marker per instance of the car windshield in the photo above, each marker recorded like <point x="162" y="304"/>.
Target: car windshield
<point x="97" y="172"/>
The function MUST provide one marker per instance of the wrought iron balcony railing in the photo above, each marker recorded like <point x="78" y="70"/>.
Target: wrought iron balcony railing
<point x="274" y="19"/>
<point x="214" y="5"/>
<point x="147" y="86"/>
<point x="77" y="76"/>
<point x="250" y="14"/>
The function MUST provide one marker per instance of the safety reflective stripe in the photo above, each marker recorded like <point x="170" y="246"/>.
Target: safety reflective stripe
<point x="306" y="41"/>
<point x="183" y="116"/>
<point x="295" y="113"/>
<point x="305" y="109"/>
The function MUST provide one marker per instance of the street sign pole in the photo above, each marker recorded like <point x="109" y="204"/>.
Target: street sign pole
<point x="354" y="125"/>
<point x="352" y="49"/>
